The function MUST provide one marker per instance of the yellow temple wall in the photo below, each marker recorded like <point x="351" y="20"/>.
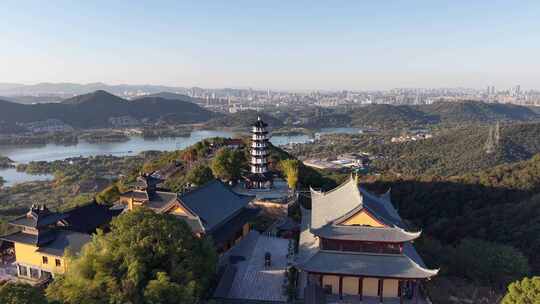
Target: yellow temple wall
<point x="27" y="254"/>
<point x="370" y="287"/>
<point x="350" y="286"/>
<point x="179" y="210"/>
<point x="390" y="288"/>
<point x="332" y="281"/>
<point x="245" y="229"/>
<point x="362" y="218"/>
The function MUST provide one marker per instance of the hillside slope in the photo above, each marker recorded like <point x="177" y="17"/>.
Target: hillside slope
<point x="475" y="111"/>
<point x="243" y="120"/>
<point x="453" y="113"/>
<point x="455" y="151"/>
<point x="95" y="109"/>
<point x="389" y="116"/>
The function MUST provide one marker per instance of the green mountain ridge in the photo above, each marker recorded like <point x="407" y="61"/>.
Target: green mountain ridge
<point x="95" y="109"/>
<point x="455" y="151"/>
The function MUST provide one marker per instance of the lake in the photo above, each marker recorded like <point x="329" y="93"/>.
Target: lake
<point x="135" y="145"/>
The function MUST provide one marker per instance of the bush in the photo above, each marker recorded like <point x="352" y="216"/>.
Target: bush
<point x="19" y="293"/>
<point x="526" y="291"/>
<point x="487" y="262"/>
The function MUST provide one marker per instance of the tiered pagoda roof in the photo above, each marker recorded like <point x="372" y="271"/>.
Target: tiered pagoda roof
<point x="326" y="220"/>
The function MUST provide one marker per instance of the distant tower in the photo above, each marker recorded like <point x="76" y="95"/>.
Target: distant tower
<point x="260" y="177"/>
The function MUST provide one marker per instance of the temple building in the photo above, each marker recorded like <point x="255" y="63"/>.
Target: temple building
<point x="40" y="244"/>
<point x="355" y="247"/>
<point x="259" y="176"/>
<point x="212" y="209"/>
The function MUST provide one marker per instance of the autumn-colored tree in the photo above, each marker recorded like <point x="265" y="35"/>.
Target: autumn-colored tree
<point x="526" y="291"/>
<point x="291" y="169"/>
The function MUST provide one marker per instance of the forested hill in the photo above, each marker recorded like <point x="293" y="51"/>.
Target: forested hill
<point x="500" y="204"/>
<point x="383" y="115"/>
<point x="95" y="109"/>
<point x="462" y="112"/>
<point x="456" y="151"/>
<point x="474" y="111"/>
<point x="242" y="120"/>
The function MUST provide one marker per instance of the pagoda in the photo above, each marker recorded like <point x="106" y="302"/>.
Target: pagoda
<point x="355" y="247"/>
<point x="260" y="177"/>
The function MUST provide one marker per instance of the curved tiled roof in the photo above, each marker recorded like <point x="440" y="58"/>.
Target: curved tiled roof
<point x="366" y="233"/>
<point x="214" y="202"/>
<point x="329" y="206"/>
<point x="399" y="266"/>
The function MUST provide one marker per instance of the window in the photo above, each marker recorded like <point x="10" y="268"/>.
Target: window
<point x="23" y="271"/>
<point x="46" y="275"/>
<point x="34" y="273"/>
<point x="45" y="260"/>
<point x="58" y="262"/>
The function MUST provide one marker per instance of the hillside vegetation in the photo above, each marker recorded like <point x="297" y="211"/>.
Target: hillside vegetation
<point x="500" y="204"/>
<point x="387" y="116"/>
<point x="95" y="109"/>
<point x="456" y="151"/>
<point x="243" y="120"/>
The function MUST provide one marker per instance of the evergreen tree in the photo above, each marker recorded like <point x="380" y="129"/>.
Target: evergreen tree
<point x="19" y="293"/>
<point x="227" y="164"/>
<point x="146" y="258"/>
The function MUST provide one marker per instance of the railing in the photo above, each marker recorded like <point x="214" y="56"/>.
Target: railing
<point x="259" y="161"/>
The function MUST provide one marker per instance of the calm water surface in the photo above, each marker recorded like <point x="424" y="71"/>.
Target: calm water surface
<point x="135" y="145"/>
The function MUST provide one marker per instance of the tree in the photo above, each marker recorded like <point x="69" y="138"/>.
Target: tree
<point x="109" y="195"/>
<point x="19" y="293"/>
<point x="146" y="258"/>
<point x="526" y="291"/>
<point x="290" y="168"/>
<point x="227" y="164"/>
<point x="488" y="262"/>
<point x="199" y="175"/>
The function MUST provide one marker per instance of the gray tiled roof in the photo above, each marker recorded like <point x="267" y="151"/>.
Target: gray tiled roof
<point x="366" y="233"/>
<point x="329" y="206"/>
<point x="160" y="200"/>
<point x="63" y="240"/>
<point x="347" y="199"/>
<point x="136" y="194"/>
<point x="214" y="203"/>
<point x="56" y="241"/>
<point x="41" y="220"/>
<point x="365" y="264"/>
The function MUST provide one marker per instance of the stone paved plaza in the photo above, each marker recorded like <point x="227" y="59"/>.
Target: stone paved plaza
<point x="254" y="281"/>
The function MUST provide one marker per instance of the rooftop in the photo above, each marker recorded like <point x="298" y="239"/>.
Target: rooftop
<point x="37" y="217"/>
<point x="214" y="202"/>
<point x="366" y="264"/>
<point x="53" y="242"/>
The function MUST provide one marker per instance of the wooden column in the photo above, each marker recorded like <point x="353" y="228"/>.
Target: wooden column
<point x="415" y="292"/>
<point x="361" y="287"/>
<point x="381" y="289"/>
<point x="340" y="287"/>
<point x="320" y="281"/>
<point x="400" y="291"/>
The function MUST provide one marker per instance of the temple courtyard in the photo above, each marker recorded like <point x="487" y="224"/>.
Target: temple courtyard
<point x="252" y="279"/>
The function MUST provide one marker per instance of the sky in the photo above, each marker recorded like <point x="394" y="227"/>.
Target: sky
<point x="288" y="45"/>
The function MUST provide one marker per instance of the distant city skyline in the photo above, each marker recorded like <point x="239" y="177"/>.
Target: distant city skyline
<point x="298" y="46"/>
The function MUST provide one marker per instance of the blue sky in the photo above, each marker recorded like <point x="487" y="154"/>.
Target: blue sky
<point x="294" y="45"/>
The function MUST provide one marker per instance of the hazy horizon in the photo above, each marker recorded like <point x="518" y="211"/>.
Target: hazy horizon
<point x="298" y="46"/>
